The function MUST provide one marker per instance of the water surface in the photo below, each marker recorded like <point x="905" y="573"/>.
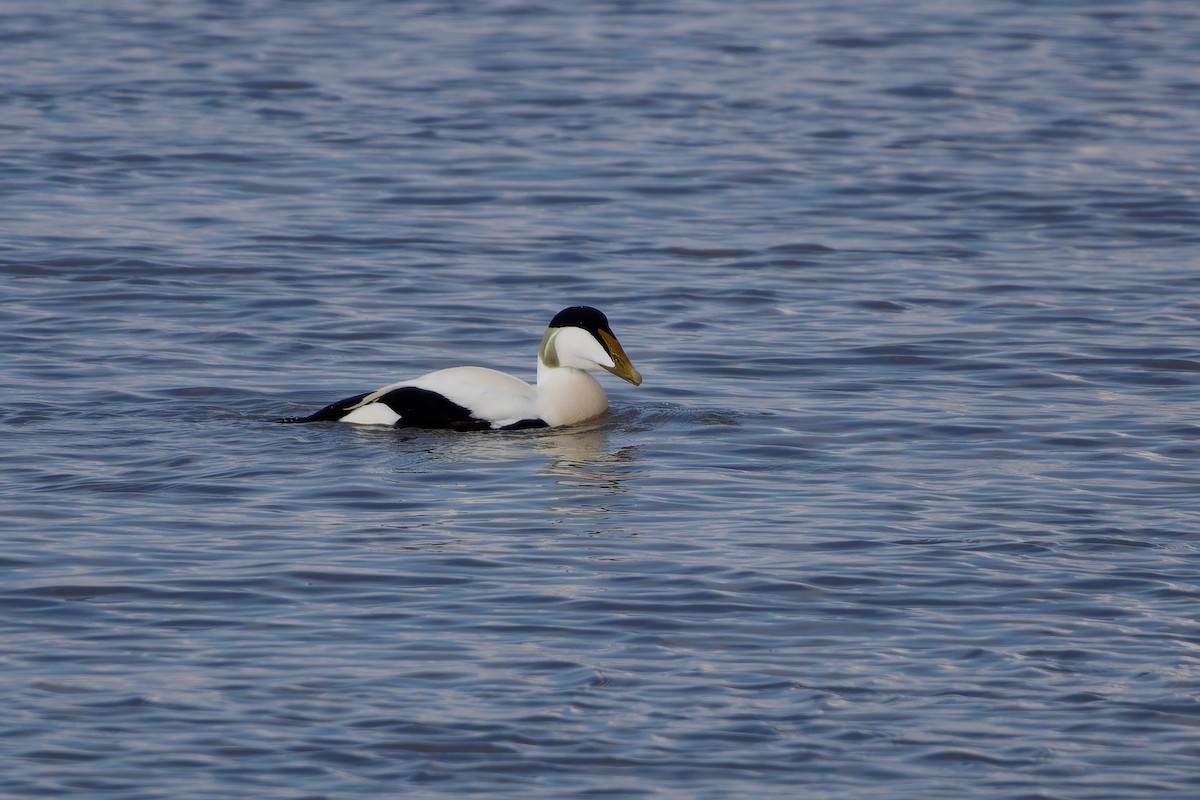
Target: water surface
<point x="906" y="506"/>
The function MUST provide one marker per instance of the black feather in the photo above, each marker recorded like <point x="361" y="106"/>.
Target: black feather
<point x="524" y="424"/>
<point x="330" y="413"/>
<point x="421" y="408"/>
<point x="590" y="319"/>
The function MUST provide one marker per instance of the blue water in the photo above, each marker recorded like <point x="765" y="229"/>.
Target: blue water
<point x="907" y="506"/>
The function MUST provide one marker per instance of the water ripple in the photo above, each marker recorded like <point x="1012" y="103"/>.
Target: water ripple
<point x="907" y="499"/>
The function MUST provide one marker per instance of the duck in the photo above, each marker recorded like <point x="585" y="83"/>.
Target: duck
<point x="577" y="341"/>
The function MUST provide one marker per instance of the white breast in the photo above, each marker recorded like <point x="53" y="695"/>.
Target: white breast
<point x="566" y="396"/>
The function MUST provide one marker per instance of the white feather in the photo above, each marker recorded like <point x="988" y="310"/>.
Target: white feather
<point x="372" y="414"/>
<point x="575" y="347"/>
<point x="567" y="395"/>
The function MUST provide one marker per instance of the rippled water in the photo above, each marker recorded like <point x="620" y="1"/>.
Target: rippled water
<point x="906" y="507"/>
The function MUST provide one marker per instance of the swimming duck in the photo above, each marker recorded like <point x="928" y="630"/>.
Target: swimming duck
<point x="477" y="398"/>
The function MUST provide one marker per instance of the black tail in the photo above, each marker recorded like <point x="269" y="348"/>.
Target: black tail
<point x="330" y="413"/>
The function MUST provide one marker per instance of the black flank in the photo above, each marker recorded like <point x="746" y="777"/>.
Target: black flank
<point x="525" y="424"/>
<point x="421" y="408"/>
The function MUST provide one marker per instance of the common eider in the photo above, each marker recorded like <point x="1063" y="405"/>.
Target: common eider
<point x="477" y="398"/>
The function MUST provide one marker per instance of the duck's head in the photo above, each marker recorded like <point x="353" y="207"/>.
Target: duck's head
<point x="579" y="337"/>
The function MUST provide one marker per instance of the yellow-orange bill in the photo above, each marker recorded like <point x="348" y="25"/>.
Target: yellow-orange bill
<point x="621" y="366"/>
